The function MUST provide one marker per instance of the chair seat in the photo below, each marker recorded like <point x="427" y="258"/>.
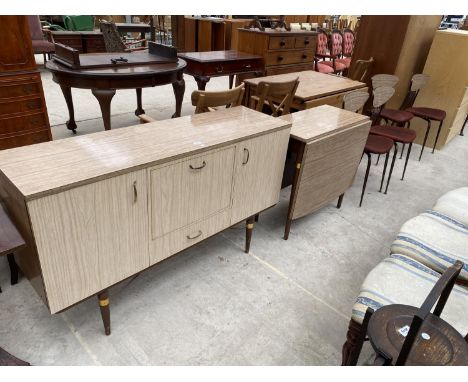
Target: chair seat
<point x="394" y="115"/>
<point x="339" y="66"/>
<point x="378" y="145"/>
<point x="398" y="134"/>
<point x="346" y="61"/>
<point x="454" y="204"/>
<point x="435" y="240"/>
<point x="324" y="68"/>
<point x="399" y="279"/>
<point x="42" y="46"/>
<point x="428" y="113"/>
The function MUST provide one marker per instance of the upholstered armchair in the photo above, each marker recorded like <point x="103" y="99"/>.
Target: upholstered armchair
<point x="39" y="45"/>
<point x="329" y="49"/>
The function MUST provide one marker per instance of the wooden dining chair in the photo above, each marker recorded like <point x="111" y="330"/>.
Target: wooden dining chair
<point x="360" y="69"/>
<point x="274" y="97"/>
<point x="355" y="101"/>
<point x="209" y="100"/>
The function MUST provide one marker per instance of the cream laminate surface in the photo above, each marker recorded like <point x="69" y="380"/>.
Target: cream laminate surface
<point x="54" y="166"/>
<point x="312" y="84"/>
<point x="318" y="122"/>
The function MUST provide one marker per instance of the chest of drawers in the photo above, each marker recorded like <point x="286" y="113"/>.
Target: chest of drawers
<point x="97" y="209"/>
<point x="283" y="52"/>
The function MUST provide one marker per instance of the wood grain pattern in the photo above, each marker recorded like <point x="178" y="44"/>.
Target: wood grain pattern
<point x="312" y="85"/>
<point x="446" y="88"/>
<point x="316" y="123"/>
<point x="89" y="237"/>
<point x="329" y="167"/>
<point x="45" y="168"/>
<point x="258" y="172"/>
<point x="10" y="238"/>
<point x="184" y="192"/>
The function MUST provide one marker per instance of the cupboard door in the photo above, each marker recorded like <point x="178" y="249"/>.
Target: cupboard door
<point x="16" y="52"/>
<point x="187" y="191"/>
<point x="90" y="237"/>
<point x="258" y="174"/>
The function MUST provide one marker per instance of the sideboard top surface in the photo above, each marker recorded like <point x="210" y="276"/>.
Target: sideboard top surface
<point x="315" y="123"/>
<point x="51" y="167"/>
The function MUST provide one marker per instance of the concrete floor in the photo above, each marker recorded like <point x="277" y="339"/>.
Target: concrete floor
<point x="285" y="303"/>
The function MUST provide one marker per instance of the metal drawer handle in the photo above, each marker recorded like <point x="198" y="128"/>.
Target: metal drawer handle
<point x="135" y="192"/>
<point x="306" y="42"/>
<point x="194" y="237"/>
<point x="248" y="156"/>
<point x="304" y="55"/>
<point x="219" y="69"/>
<point x="198" y="168"/>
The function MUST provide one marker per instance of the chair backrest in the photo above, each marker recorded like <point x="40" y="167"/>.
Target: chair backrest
<point x="361" y="67"/>
<point x="204" y="100"/>
<point x="336" y="43"/>
<point x="417" y="83"/>
<point x="355" y="101"/>
<point x="380" y="96"/>
<point x="384" y="80"/>
<point x="35" y="28"/>
<point x="322" y="42"/>
<point x="348" y="42"/>
<point x="111" y="36"/>
<point x="277" y="95"/>
<point x="79" y="23"/>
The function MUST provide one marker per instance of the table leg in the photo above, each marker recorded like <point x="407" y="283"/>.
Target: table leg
<point x="231" y="80"/>
<point x="104" y="97"/>
<point x="14" y="270"/>
<point x="71" y="124"/>
<point x="179" y="90"/>
<point x="139" y="110"/>
<point x="201" y="82"/>
<point x="248" y="232"/>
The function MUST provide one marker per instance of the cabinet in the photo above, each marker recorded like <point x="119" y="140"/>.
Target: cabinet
<point x="136" y="195"/>
<point x="283" y="52"/>
<point x="23" y="112"/>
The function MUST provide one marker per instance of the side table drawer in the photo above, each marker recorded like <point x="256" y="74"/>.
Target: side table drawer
<point x="289" y="57"/>
<point x="281" y="43"/>
<point x="165" y="246"/>
<point x="234" y="67"/>
<point x="189" y="190"/>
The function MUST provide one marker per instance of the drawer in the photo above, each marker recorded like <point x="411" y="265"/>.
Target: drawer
<point x="23" y="123"/>
<point x="281" y="43"/>
<point x="72" y="42"/>
<point x="305" y="42"/>
<point x="176" y="241"/>
<point x="19" y="89"/>
<point x="189" y="190"/>
<point x="233" y="67"/>
<point x="20" y="106"/>
<point x="289" y="57"/>
<point x="272" y="70"/>
<point x="24" y="139"/>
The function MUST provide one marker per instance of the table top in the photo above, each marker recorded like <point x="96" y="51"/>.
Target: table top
<point x="315" y="123"/>
<point x="50" y="167"/>
<point x="218" y="55"/>
<point x="119" y="70"/>
<point x="312" y="84"/>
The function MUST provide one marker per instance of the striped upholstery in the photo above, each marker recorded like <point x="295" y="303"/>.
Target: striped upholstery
<point x="401" y="280"/>
<point x="454" y="204"/>
<point x="435" y="240"/>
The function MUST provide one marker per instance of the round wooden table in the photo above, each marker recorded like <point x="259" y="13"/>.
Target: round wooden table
<point x="103" y="83"/>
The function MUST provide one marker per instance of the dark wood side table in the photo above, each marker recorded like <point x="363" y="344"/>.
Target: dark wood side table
<point x="204" y="65"/>
<point x="103" y="83"/>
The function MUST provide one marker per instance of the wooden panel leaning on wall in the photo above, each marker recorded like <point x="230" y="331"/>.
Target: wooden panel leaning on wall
<point x="23" y="112"/>
<point x="93" y="227"/>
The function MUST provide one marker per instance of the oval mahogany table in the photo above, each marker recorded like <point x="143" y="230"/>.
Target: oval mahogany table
<point x="103" y="83"/>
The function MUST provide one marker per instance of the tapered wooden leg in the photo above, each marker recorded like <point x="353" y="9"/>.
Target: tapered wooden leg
<point x="437" y="136"/>
<point x="248" y="233"/>
<point x="103" y="298"/>
<point x="104" y="97"/>
<point x="179" y="90"/>
<point x="139" y="110"/>
<point x="340" y="200"/>
<point x="14" y="270"/>
<point x="365" y="178"/>
<point x="67" y="94"/>
<point x="395" y="152"/>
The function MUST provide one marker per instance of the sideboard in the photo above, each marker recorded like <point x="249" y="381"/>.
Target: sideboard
<point x="99" y="208"/>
